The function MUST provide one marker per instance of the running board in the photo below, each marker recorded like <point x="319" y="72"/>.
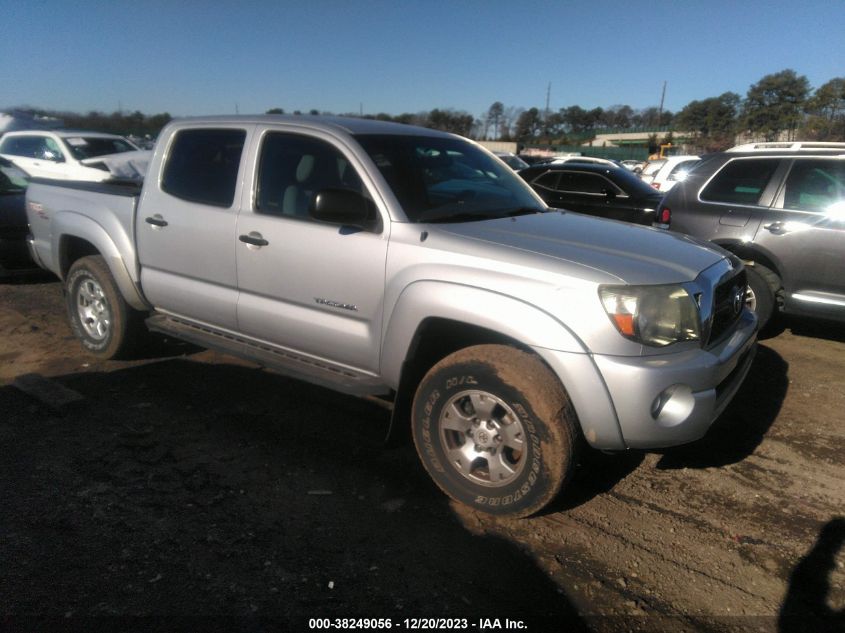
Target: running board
<point x="277" y="359"/>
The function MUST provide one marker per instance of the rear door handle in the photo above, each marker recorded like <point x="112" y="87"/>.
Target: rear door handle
<point x="777" y="228"/>
<point x="253" y="239"/>
<point x="156" y="220"/>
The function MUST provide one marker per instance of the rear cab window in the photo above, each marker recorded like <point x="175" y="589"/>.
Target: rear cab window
<point x="202" y="165"/>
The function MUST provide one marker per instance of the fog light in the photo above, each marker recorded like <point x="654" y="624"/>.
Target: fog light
<point x="673" y="405"/>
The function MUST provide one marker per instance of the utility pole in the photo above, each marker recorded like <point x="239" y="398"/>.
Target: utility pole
<point x="660" y="111"/>
<point x="546" y="114"/>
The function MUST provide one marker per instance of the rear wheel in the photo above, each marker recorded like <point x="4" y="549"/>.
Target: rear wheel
<point x="99" y="316"/>
<point x="495" y="430"/>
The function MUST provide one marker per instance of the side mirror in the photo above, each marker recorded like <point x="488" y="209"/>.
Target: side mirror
<point x="56" y="157"/>
<point x="344" y="207"/>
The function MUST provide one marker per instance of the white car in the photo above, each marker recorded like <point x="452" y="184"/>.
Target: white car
<point x="594" y="160"/>
<point x="665" y="172"/>
<point x="67" y="155"/>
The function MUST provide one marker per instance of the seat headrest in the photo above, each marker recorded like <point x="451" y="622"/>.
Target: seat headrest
<point x="305" y="168"/>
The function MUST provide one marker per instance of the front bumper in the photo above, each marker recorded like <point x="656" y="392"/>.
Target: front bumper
<point x="673" y="399"/>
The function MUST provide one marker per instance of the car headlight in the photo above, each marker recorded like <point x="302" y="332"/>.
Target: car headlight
<point x="652" y="315"/>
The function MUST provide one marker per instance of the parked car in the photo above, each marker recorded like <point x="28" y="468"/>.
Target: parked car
<point x="559" y="160"/>
<point x="70" y="155"/>
<point x="14" y="256"/>
<point x="782" y="210"/>
<point x="532" y="159"/>
<point x="597" y="189"/>
<point x="650" y="168"/>
<point x="672" y="171"/>
<point x="512" y="160"/>
<point x="395" y="261"/>
<point x="635" y="166"/>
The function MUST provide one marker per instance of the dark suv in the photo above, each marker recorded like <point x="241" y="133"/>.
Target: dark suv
<point x="781" y="208"/>
<point x="602" y="189"/>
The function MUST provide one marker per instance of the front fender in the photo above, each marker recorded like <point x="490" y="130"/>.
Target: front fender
<point x="550" y="338"/>
<point x="67" y="224"/>
<point x="500" y="313"/>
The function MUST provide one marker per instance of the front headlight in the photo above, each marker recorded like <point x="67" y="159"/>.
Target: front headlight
<point x="652" y="315"/>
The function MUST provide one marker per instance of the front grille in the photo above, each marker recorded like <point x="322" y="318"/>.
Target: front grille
<point x="729" y="295"/>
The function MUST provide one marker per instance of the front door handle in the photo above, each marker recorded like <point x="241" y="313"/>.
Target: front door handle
<point x="253" y="239"/>
<point x="156" y="221"/>
<point x="778" y="228"/>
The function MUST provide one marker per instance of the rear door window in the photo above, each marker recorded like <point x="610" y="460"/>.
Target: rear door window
<point x="741" y="181"/>
<point x="203" y="165"/>
<point x="581" y="182"/>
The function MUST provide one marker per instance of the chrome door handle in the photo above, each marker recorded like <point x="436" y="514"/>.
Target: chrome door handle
<point x="156" y="221"/>
<point x="253" y="239"/>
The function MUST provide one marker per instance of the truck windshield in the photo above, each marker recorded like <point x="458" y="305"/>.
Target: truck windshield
<point x="82" y="147"/>
<point x="441" y="179"/>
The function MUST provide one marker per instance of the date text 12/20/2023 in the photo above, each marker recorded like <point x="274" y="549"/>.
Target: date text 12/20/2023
<point x="417" y="624"/>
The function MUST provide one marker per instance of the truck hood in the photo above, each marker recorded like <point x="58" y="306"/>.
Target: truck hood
<point x="130" y="165"/>
<point x="624" y="252"/>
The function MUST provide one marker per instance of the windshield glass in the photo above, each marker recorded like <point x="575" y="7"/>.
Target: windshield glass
<point x="82" y="147"/>
<point x="447" y="179"/>
<point x="12" y="179"/>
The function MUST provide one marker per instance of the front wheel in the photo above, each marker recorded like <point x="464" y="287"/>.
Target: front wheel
<point x="99" y="316"/>
<point x="495" y="430"/>
<point x="763" y="285"/>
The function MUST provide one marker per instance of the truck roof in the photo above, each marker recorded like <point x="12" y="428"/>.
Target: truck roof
<point x="350" y="125"/>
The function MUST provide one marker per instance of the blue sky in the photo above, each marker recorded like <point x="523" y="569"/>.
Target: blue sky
<point x="190" y="58"/>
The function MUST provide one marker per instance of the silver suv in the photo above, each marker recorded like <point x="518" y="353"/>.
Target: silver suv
<point x="780" y="207"/>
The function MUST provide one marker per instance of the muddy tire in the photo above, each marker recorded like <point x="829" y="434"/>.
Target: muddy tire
<point x="495" y="430"/>
<point x="99" y="317"/>
<point x="761" y="298"/>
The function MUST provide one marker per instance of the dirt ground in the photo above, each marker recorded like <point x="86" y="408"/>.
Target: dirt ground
<point x="192" y="491"/>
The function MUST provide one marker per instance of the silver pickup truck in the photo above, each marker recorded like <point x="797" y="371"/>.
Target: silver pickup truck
<point x="395" y="261"/>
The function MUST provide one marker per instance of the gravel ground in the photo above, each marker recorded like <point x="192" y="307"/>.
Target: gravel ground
<point x="193" y="491"/>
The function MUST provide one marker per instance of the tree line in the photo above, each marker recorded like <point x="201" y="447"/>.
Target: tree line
<point x="780" y="105"/>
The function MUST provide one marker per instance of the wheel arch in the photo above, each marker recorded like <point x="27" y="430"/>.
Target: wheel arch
<point x="80" y="237"/>
<point x="751" y="253"/>
<point x="434" y="319"/>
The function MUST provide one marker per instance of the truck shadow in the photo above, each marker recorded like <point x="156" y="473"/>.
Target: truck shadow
<point x="185" y="488"/>
<point x="805" y="606"/>
<point x="741" y="427"/>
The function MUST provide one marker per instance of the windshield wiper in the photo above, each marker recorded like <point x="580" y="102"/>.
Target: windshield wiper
<point x="523" y="211"/>
<point x="463" y="216"/>
<point x="469" y="216"/>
